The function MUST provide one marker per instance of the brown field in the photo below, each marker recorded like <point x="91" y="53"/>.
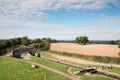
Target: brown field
<point x="93" y="49"/>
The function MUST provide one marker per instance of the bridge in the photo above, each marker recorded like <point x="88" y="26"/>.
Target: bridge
<point x="18" y="52"/>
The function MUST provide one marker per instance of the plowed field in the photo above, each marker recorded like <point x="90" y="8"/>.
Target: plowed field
<point x="93" y="49"/>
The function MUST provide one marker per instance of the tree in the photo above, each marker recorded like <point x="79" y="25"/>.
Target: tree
<point x="3" y="45"/>
<point x="25" y="41"/>
<point x="118" y="43"/>
<point x="42" y="46"/>
<point x="47" y="45"/>
<point x="82" y="40"/>
<point x="112" y="42"/>
<point x="53" y="40"/>
<point x="38" y="40"/>
<point x="46" y="39"/>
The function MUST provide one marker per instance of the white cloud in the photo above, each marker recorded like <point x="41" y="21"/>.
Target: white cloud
<point x="35" y="30"/>
<point x="30" y="9"/>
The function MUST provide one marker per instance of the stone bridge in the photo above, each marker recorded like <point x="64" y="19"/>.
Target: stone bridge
<point x="18" y="52"/>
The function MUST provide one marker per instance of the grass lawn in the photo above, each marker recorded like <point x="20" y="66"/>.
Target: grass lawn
<point x="74" y="69"/>
<point x="99" y="77"/>
<point x="114" y="70"/>
<point x="16" y="70"/>
<point x="51" y="64"/>
<point x="46" y="54"/>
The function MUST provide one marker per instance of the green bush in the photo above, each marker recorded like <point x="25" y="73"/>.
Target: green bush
<point x="3" y="51"/>
<point x="42" y="46"/>
<point x="119" y="44"/>
<point x="119" y="54"/>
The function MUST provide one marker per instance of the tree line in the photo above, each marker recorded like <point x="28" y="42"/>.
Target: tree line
<point x="43" y="44"/>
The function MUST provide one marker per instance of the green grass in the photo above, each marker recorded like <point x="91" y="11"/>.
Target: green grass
<point x="114" y="70"/>
<point x="11" y="69"/>
<point x="51" y="64"/>
<point x="74" y="69"/>
<point x="84" y="65"/>
<point x="99" y="77"/>
<point x="46" y="54"/>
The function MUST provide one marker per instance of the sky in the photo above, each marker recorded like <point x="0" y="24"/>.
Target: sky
<point x="60" y="19"/>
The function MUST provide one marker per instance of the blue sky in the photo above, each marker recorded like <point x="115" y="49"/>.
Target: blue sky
<point x="60" y="19"/>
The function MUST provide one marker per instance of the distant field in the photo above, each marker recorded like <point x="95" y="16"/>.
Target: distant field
<point x="93" y="49"/>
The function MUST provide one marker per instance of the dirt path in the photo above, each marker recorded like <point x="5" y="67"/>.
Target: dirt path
<point x="53" y="70"/>
<point x="79" y="61"/>
<point x="69" y="71"/>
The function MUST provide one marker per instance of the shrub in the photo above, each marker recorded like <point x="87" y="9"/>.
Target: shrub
<point x="119" y="54"/>
<point x="3" y="51"/>
<point x="42" y="46"/>
<point x="118" y="42"/>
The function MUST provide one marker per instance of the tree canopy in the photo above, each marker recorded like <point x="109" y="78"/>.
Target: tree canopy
<point x="25" y="41"/>
<point x="82" y="40"/>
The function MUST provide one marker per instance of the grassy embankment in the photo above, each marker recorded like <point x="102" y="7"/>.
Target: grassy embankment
<point x="99" y="77"/>
<point x="114" y="70"/>
<point x="51" y="64"/>
<point x="11" y="69"/>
